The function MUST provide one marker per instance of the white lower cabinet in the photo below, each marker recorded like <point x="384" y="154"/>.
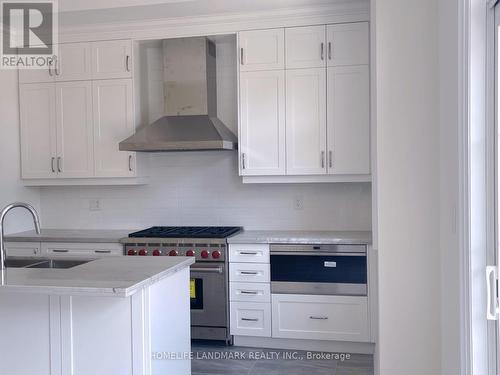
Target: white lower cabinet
<point x="250" y="292"/>
<point x="340" y="318"/>
<point x="250" y="272"/>
<point x="251" y="319"/>
<point x="23" y="249"/>
<point x="80" y="250"/>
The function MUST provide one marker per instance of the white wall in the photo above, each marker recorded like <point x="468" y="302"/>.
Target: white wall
<point x="10" y="187"/>
<point x="203" y="188"/>
<point x="408" y="163"/>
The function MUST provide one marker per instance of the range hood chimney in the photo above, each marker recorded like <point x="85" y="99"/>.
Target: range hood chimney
<point x="190" y="122"/>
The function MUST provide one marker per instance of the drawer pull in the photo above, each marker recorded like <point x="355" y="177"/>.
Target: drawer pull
<point x="254" y="292"/>
<point x="59" y="251"/>
<point x="250" y="320"/>
<point x="249" y="252"/>
<point x="249" y="272"/>
<point x="318" y="317"/>
<point x="102" y="251"/>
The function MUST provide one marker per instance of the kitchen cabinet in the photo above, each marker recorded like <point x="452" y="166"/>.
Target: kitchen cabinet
<point x="75" y="154"/>
<point x="113" y="122"/>
<point x="262" y="125"/>
<point x="262" y="50"/>
<point x="348" y="44"/>
<point x="305" y="47"/>
<point x="38" y="130"/>
<point x="80" y="250"/>
<point x="56" y="130"/>
<point x="339" y="318"/>
<point x="112" y="59"/>
<point x="249" y="290"/>
<point x="74" y="62"/>
<point x="306" y="121"/>
<point x="348" y="120"/>
<point x="23" y="249"/>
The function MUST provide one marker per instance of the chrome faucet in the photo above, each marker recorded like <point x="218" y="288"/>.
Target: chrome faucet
<point x="4" y="212"/>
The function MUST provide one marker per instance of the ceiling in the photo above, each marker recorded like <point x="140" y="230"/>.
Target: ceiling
<point x="81" y="12"/>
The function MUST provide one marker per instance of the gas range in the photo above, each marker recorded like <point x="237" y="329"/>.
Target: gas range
<point x="206" y="244"/>
<point x="209" y="285"/>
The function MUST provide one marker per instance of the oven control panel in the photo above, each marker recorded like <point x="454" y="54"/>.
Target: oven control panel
<point x="202" y="252"/>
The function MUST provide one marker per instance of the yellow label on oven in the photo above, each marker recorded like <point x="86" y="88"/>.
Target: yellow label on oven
<point x="192" y="288"/>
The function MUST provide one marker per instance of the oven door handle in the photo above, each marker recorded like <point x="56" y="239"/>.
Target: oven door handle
<point x="207" y="270"/>
<point x="316" y="253"/>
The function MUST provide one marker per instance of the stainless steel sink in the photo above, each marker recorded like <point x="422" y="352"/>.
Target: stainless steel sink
<point x="58" y="263"/>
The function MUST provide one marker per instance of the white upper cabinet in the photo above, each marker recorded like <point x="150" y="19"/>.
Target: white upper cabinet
<point x="262" y="50"/>
<point x="262" y="130"/>
<point x="348" y="44"/>
<point x="113" y="122"/>
<point x="348" y="120"/>
<point x="305" y="47"/>
<point x="37" y="75"/>
<point x="38" y="130"/>
<point x="74" y="129"/>
<point x="306" y="121"/>
<point x="74" y="62"/>
<point x="112" y="59"/>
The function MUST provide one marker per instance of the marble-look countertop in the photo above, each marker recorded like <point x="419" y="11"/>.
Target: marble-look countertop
<point x="110" y="276"/>
<point x="70" y="235"/>
<point x="303" y="237"/>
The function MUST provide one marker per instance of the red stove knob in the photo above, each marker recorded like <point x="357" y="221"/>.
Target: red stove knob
<point x="156" y="253"/>
<point x="190" y="253"/>
<point x="142" y="252"/>
<point x="131" y="252"/>
<point x="172" y="253"/>
<point x="216" y="254"/>
<point x="204" y="254"/>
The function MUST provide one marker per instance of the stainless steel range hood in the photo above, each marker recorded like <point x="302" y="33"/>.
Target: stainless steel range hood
<point x="190" y="122"/>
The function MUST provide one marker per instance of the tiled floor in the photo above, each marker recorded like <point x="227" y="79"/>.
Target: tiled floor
<point x="210" y="359"/>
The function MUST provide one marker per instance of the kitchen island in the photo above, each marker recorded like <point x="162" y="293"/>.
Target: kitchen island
<point x="116" y="315"/>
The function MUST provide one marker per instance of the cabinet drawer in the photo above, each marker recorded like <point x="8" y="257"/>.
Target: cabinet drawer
<point x="250" y="292"/>
<point x="251" y="319"/>
<point x="22" y="249"/>
<point x="320" y="317"/>
<point x="249" y="253"/>
<point x="82" y="250"/>
<point x="249" y="272"/>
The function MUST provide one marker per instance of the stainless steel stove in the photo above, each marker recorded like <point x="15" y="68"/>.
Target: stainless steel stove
<point x="209" y="287"/>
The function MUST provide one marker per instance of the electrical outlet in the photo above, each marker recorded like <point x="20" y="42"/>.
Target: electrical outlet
<point x="298" y="202"/>
<point x="95" y="205"/>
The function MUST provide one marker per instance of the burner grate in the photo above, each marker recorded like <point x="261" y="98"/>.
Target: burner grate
<point x="186" y="232"/>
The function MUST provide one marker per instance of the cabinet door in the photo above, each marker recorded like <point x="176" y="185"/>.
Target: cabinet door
<point x="348" y="44"/>
<point x="112" y="59"/>
<point x="262" y="137"/>
<point x="113" y="122"/>
<point x="305" y="47"/>
<point x="74" y="62"/>
<point x="348" y="120"/>
<point x="75" y="153"/>
<point x="262" y="49"/>
<point x="306" y="121"/>
<point x="250" y="319"/>
<point x="36" y="75"/>
<point x="38" y="130"/>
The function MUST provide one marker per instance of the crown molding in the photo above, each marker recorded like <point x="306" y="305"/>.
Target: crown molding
<point x="352" y="11"/>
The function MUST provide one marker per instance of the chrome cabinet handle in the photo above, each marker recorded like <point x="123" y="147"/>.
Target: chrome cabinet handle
<point x="329" y="50"/>
<point x="250" y="320"/>
<point x="127" y="63"/>
<point x="59" y="251"/>
<point x="322" y="51"/>
<point x="318" y="317"/>
<point x="249" y="272"/>
<point x="248" y="252"/>
<point x="243" y="163"/>
<point x="50" y="66"/>
<point x="253" y="292"/>
<point x="241" y="56"/>
<point x="207" y="270"/>
<point x="130" y="163"/>
<point x="492" y="308"/>
<point x="330" y="159"/>
<point x="59" y="164"/>
<point x="323" y="159"/>
<point x="102" y="251"/>
<point x="56" y="67"/>
<point x="52" y="160"/>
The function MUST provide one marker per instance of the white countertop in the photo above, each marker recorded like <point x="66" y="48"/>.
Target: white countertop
<point x="110" y="276"/>
<point x="70" y="235"/>
<point x="303" y="237"/>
